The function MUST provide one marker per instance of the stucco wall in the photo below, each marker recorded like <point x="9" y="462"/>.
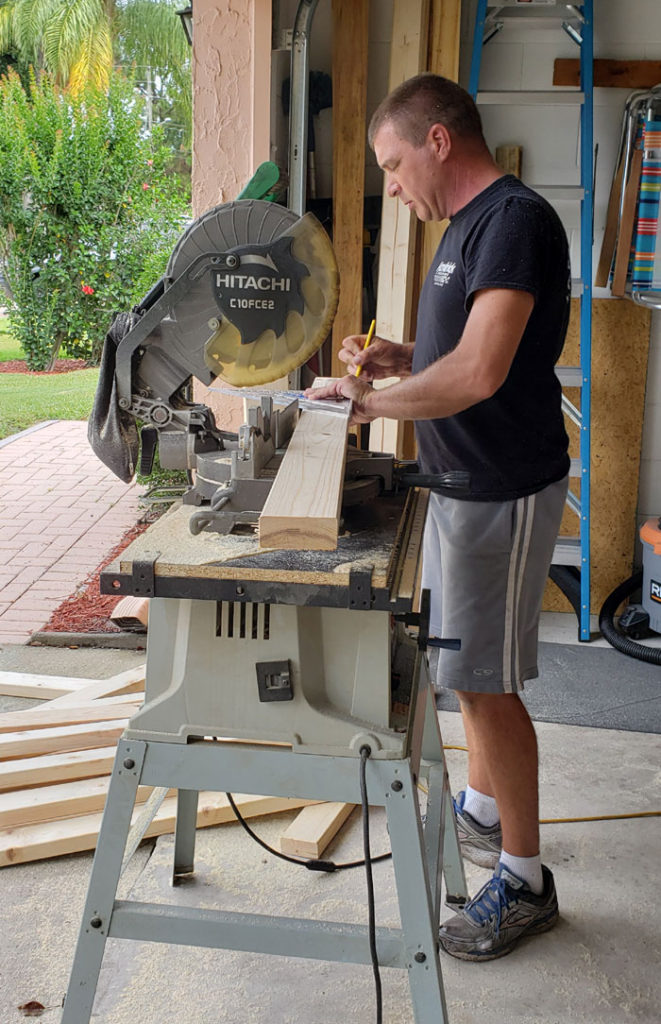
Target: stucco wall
<point x="231" y="96"/>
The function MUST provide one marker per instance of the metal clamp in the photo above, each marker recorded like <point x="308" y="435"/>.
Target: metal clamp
<point x="360" y="589"/>
<point x="142" y="580"/>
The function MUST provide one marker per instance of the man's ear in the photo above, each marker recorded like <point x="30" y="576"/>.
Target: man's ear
<point x="438" y="137"/>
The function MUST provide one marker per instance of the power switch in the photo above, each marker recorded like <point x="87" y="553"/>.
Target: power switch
<point x="274" y="680"/>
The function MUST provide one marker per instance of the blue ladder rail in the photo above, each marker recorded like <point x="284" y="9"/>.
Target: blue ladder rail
<point x="572" y="556"/>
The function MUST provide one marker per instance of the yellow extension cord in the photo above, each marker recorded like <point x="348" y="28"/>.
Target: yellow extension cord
<point x="567" y="821"/>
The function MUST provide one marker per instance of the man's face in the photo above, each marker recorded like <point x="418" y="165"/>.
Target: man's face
<point x="413" y="175"/>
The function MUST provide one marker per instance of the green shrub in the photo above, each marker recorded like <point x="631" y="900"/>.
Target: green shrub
<point x="87" y="206"/>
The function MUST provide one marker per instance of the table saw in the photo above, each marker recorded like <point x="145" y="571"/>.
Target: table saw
<point x="279" y="672"/>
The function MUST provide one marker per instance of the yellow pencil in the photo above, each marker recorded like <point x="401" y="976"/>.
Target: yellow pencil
<point x="370" y="335"/>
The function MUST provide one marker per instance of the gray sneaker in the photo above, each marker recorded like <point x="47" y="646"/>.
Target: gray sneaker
<point x="504" y="911"/>
<point x="480" y="844"/>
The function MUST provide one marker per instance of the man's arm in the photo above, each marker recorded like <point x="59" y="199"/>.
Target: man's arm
<point x="471" y="373"/>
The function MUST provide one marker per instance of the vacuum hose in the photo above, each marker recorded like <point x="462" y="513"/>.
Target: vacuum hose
<point x="612" y="633"/>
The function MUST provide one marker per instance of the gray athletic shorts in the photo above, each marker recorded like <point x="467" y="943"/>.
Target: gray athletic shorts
<point x="485" y="564"/>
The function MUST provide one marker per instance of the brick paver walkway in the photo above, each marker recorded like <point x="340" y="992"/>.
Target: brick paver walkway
<point x="61" y="513"/>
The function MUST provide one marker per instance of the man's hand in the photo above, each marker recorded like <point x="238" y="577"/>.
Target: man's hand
<point x="358" y="390"/>
<point x="382" y="359"/>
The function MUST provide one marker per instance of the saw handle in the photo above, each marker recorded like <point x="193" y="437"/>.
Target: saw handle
<point x="408" y="475"/>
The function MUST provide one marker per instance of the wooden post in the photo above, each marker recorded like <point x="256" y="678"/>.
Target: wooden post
<point x="350" y="36"/>
<point x="399" y="230"/>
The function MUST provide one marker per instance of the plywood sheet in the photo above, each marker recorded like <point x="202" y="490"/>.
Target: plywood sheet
<point x="619" y="370"/>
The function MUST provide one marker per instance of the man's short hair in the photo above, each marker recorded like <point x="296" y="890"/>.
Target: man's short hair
<point x="417" y="104"/>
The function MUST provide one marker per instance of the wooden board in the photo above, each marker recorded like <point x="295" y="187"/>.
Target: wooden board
<point x="350" y="25"/>
<point x="302" y="511"/>
<point x="60" y="767"/>
<point x="508" y="159"/>
<point x="51" y="839"/>
<point x="45" y="717"/>
<point x="43" y="687"/>
<point x="51" y="803"/>
<point x="610" y="233"/>
<point x="619" y="74"/>
<point x="72" y="737"/>
<point x="625" y="232"/>
<point x="312" y="830"/>
<point x="130" y="681"/>
<point x="620" y="345"/>
<point x="399" y="228"/>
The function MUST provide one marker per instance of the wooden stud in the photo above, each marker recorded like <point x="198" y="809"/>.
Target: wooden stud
<point x="52" y="803"/>
<point x="48" y="741"/>
<point x="28" y="684"/>
<point x="72" y="835"/>
<point x="399" y="229"/>
<point x="47" y="718"/>
<point x="63" y="767"/>
<point x="302" y="510"/>
<point x="311" y="832"/>
<point x="125" y="682"/>
<point x="350" y="37"/>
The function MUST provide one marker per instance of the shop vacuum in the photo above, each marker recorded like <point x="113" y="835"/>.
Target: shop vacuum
<point x="637" y="620"/>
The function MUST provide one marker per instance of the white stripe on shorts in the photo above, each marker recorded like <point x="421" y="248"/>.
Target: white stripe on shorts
<point x="525" y="515"/>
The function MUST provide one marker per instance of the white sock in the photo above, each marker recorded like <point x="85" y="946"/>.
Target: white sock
<point x="528" y="869"/>
<point x="481" y="807"/>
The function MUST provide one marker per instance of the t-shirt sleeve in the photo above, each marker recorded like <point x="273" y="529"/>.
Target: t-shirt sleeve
<point x="508" y="249"/>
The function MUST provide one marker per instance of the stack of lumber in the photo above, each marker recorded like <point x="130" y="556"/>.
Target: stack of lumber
<point x="55" y="765"/>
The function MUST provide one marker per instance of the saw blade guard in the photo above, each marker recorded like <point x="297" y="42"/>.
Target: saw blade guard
<point x="266" y="315"/>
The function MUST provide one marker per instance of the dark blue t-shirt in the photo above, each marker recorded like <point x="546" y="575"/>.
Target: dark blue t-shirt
<point x="515" y="442"/>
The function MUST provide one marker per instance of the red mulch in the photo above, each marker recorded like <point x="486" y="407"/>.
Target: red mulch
<point x="61" y="366"/>
<point x="88" y="611"/>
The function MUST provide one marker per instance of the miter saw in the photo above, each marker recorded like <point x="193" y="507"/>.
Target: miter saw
<point x="249" y="295"/>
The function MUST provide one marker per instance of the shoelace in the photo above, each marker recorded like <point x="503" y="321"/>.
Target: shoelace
<point x="489" y="902"/>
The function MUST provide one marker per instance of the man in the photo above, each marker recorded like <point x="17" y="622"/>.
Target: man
<point x="480" y="384"/>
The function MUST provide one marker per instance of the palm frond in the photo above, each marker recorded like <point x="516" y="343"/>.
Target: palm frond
<point x="93" y="61"/>
<point x="148" y="32"/>
<point x="68" y="31"/>
<point x="30" y="18"/>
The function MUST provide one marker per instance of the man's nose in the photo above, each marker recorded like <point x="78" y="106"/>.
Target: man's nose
<point x="393" y="189"/>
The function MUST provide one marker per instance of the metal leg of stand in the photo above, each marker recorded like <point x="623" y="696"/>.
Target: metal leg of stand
<point x="184" y="833"/>
<point x="106" y="870"/>
<point x="433" y="835"/>
<point x="440" y="812"/>
<point x="416" y="902"/>
<point x="456" y="891"/>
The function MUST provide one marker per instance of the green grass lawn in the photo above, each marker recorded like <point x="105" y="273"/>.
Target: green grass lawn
<point x="26" y="399"/>
<point x="9" y="347"/>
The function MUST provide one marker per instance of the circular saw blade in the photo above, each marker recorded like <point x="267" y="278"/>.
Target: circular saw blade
<point x="257" y="322"/>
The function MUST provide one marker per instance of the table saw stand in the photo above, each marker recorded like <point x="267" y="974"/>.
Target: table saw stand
<point x="258" y="687"/>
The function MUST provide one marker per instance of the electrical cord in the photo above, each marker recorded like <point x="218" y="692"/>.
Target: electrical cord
<point x="369" y="860"/>
<point x="571" y="821"/>
<point x="365" y="752"/>
<point x="327" y="866"/>
<point x="320" y="865"/>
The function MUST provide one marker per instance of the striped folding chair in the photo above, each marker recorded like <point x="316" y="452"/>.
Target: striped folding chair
<point x="645" y="264"/>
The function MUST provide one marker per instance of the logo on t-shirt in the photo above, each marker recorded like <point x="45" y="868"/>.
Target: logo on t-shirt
<point x="444" y="272"/>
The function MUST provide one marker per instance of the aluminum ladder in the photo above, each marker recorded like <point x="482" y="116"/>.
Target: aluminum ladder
<point x="571" y="559"/>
